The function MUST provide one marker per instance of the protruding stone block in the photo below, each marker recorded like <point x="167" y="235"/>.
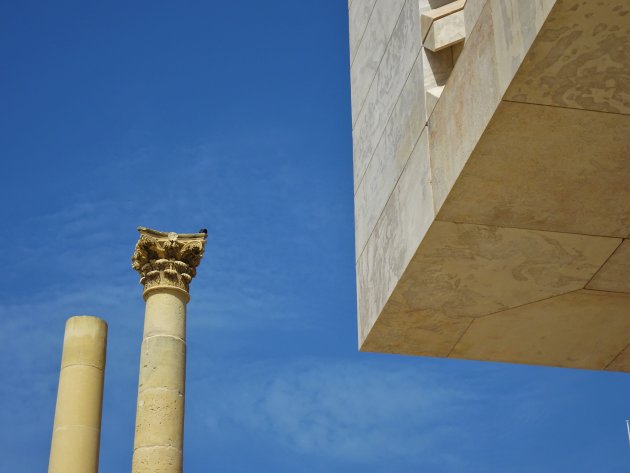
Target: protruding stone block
<point x="513" y="244"/>
<point x="446" y="32"/>
<point x="433" y="95"/>
<point x="429" y="17"/>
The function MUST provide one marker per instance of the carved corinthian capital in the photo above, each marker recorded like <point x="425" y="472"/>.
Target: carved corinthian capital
<point x="167" y="259"/>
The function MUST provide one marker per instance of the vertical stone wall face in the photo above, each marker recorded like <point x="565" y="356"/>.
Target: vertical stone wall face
<point x="390" y="148"/>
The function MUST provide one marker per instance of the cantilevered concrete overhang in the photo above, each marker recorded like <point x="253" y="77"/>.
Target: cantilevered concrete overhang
<point x="506" y="236"/>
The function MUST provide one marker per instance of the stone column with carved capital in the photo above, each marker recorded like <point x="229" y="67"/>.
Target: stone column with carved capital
<point x="167" y="264"/>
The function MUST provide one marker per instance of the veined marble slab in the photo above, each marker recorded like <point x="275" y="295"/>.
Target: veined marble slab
<point x="403" y="130"/>
<point x="402" y="225"/>
<point x="359" y="14"/>
<point x="371" y="49"/>
<point x="580" y="60"/>
<point x="547" y="168"/>
<point x="394" y="69"/>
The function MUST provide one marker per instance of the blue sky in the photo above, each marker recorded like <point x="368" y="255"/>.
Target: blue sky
<point x="234" y="116"/>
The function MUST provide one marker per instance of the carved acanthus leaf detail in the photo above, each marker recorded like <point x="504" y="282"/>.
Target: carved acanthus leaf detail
<point x="167" y="259"/>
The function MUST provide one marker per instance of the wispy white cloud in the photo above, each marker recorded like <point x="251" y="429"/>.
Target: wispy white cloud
<point x="345" y="410"/>
<point x="77" y="261"/>
<point x="250" y="229"/>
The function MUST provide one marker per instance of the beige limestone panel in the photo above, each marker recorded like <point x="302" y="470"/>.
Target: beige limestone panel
<point x="162" y="360"/>
<point x="516" y="24"/>
<point x="475" y="270"/>
<point x="165" y="314"/>
<point x="157" y="459"/>
<point x="583" y="329"/>
<point x="581" y="58"/>
<point x="547" y="168"/>
<point x="358" y="16"/>
<point x="465" y="107"/>
<point x="621" y="361"/>
<point x="395" y="67"/>
<point x="370" y="51"/>
<point x="397" y="142"/>
<point x="472" y="10"/>
<point x="405" y="219"/>
<point x="414" y="332"/>
<point x="159" y="418"/>
<point x="480" y="76"/>
<point x="614" y="276"/>
<point x="446" y="31"/>
<point x="456" y="50"/>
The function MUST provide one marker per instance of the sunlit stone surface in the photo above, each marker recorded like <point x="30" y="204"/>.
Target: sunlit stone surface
<point x="167" y="264"/>
<point x="77" y="428"/>
<point x="492" y="179"/>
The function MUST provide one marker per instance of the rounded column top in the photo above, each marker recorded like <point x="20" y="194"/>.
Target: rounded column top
<point x="168" y="260"/>
<point x="84" y="341"/>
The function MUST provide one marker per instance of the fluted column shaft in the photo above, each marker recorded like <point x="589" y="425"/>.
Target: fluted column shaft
<point x="77" y="427"/>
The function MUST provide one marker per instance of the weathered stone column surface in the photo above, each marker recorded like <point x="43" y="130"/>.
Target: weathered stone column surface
<point x="167" y="263"/>
<point x="77" y="428"/>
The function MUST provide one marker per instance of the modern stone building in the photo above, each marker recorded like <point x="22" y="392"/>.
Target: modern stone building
<point x="492" y="179"/>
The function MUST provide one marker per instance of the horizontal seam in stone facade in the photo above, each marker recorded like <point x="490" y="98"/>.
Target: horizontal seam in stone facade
<point x="604" y="290"/>
<point x="565" y="107"/>
<point x="505" y="309"/>
<point x="437" y="219"/>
